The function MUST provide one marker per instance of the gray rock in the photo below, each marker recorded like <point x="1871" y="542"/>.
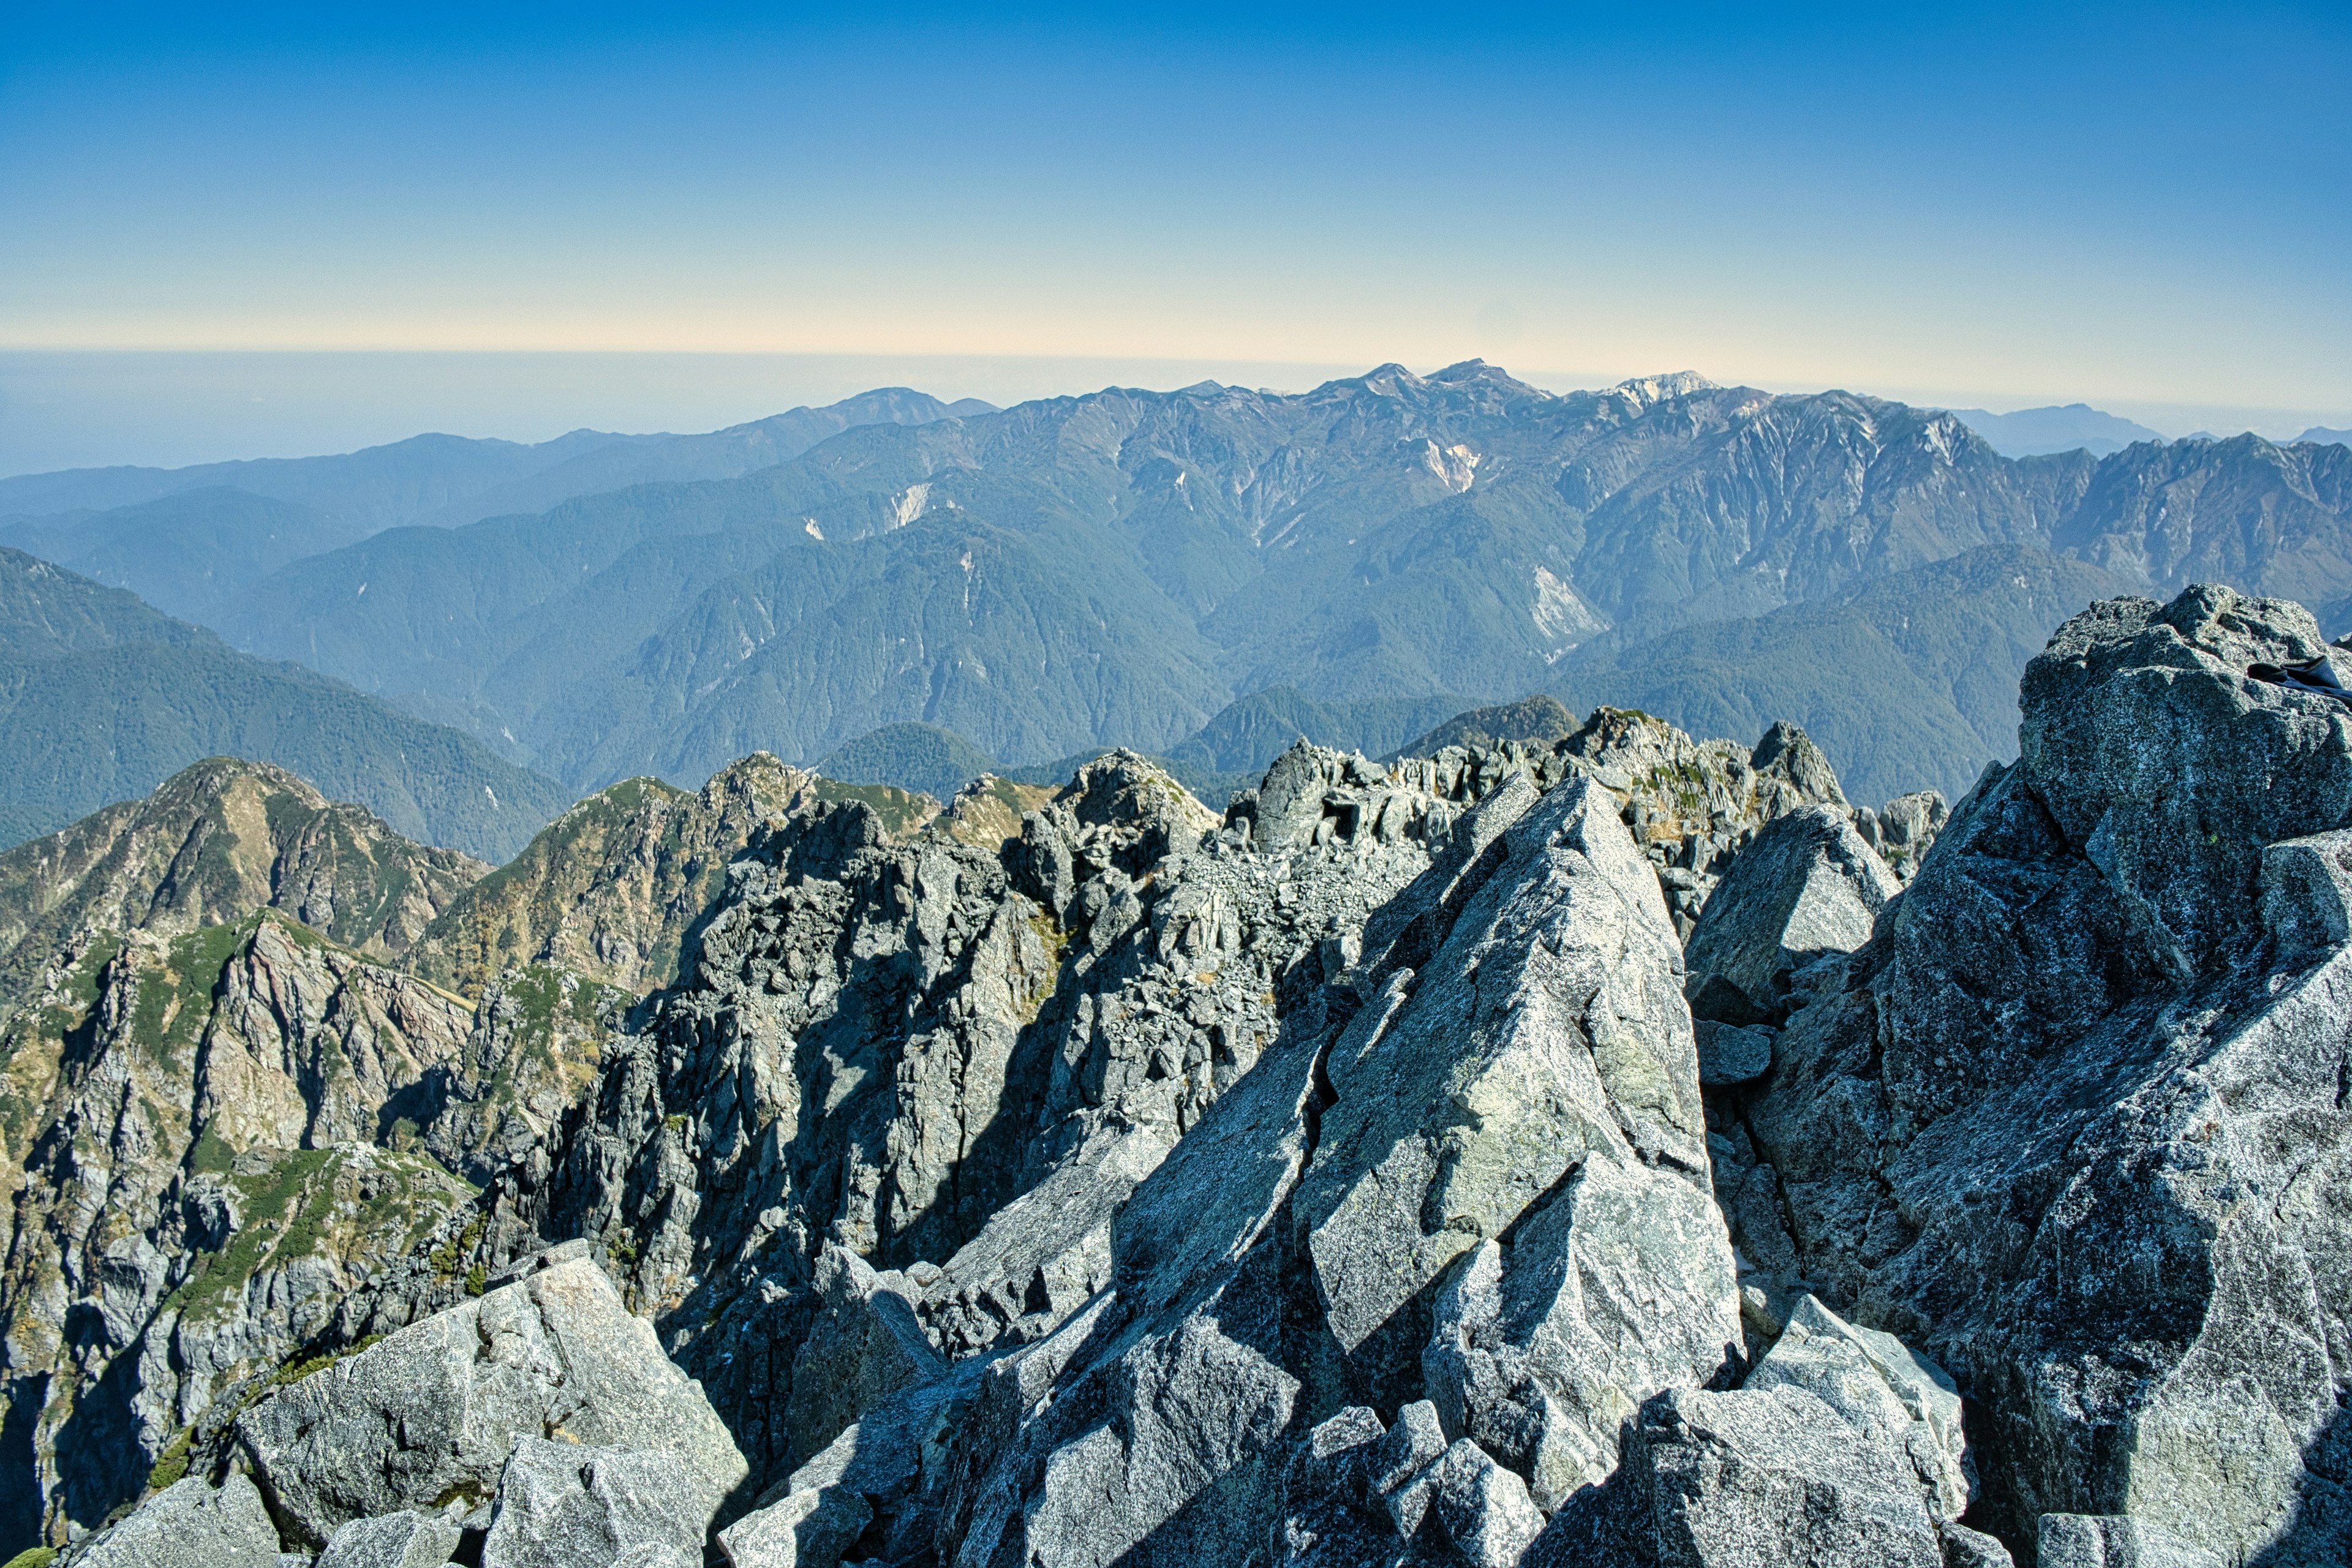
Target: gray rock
<point x="1728" y="1054"/>
<point x="1966" y="1548"/>
<point x="1357" y="1495"/>
<point x="2307" y="893"/>
<point x="1483" y="1509"/>
<point x="1398" y="1468"/>
<point x="1178" y="1385"/>
<point x="190" y="1525"/>
<point x="566" y="1505"/>
<point x="2114" y="1541"/>
<point x="893" y="1461"/>
<point x="1330" y="1514"/>
<point x="1807" y="888"/>
<point x="810" y="1528"/>
<point x="1882" y="1388"/>
<point x="1546" y="1036"/>
<point x="403" y="1540"/>
<point x="1903" y="830"/>
<point x="430" y="1414"/>
<point x="1040" y="1257"/>
<point x="1772" y="1476"/>
<point x="2073" y="1124"/>
<point x="1617" y="1289"/>
<point x="967" y="1061"/>
<point x="865" y="1346"/>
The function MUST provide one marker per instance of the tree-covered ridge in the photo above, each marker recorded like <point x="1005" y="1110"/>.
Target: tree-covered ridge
<point x="102" y="698"/>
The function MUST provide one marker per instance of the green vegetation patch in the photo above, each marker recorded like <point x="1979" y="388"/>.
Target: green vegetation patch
<point x="173" y="1005"/>
<point x="301" y="1202"/>
<point x="901" y="811"/>
<point x="172" y="1464"/>
<point x="272" y="1204"/>
<point x="81" y="987"/>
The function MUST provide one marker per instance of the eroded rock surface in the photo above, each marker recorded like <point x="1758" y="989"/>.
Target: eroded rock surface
<point x="1332" y="1180"/>
<point x="192" y="1524"/>
<point x="2073" y="1120"/>
<point x="433" y="1413"/>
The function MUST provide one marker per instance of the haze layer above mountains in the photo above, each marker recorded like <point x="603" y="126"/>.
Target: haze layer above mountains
<point x="1203" y="573"/>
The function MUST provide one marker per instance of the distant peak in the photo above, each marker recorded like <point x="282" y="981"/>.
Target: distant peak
<point x="1649" y="389"/>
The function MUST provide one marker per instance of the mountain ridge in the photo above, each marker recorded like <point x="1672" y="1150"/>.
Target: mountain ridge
<point x="1120" y="567"/>
<point x="102" y="696"/>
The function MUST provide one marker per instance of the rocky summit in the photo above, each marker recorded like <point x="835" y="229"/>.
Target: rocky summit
<point x="1608" y="1148"/>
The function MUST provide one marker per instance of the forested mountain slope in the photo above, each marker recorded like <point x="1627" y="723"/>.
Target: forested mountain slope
<point x="102" y="696"/>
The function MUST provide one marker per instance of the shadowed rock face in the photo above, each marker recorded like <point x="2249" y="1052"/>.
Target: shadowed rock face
<point x="2073" y="1120"/>
<point x="200" y="1027"/>
<point x="1808" y="887"/>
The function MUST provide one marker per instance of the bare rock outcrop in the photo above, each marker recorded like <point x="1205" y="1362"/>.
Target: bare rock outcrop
<point x="2072" y="1119"/>
<point x="1048" y="1196"/>
<point x="434" y="1413"/>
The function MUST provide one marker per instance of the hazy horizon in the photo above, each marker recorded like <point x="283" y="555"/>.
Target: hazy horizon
<point x="173" y="409"/>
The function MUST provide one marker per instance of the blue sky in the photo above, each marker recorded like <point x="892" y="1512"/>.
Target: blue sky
<point x="2140" y="206"/>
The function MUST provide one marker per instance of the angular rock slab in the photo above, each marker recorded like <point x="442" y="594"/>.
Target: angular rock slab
<point x="1610" y="1293"/>
<point x="403" y="1540"/>
<point x="1107" y="1433"/>
<point x="1728" y="1054"/>
<point x="430" y="1414"/>
<point x="190" y="1525"/>
<point x="562" y="1505"/>
<point x="1806" y="887"/>
<point x="819" y="1511"/>
<point x="1882" y="1388"/>
<point x="1355" y="1495"/>
<point x="2114" y="1541"/>
<point x="865" y="1347"/>
<point x="1547" y="1034"/>
<point x="1755" y="1478"/>
<point x="2083" y="1121"/>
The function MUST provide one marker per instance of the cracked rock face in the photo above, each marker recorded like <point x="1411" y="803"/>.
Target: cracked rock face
<point x="192" y="1524"/>
<point x="432" y="1414"/>
<point x="566" y="1505"/>
<point x="1808" y="887"/>
<point x="1543" y="1054"/>
<point x="1773" y="1476"/>
<point x="2073" y="1121"/>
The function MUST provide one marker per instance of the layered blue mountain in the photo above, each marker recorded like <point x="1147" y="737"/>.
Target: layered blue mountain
<point x="102" y="696"/>
<point x="187" y="539"/>
<point x="2036" y="432"/>
<point x="1207" y="572"/>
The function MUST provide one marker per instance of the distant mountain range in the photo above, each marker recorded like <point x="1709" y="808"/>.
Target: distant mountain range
<point x="2322" y="436"/>
<point x="446" y="481"/>
<point x="2032" y="432"/>
<point x="102" y="698"/>
<point x="1206" y="573"/>
<point x="1901" y="684"/>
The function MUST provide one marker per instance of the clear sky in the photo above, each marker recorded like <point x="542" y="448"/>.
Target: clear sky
<point x="2145" y="206"/>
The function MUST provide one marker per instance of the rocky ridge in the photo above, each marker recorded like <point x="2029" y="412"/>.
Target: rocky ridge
<point x="1612" y="1149"/>
<point x="1102" y="1102"/>
<point x="239" y="1076"/>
